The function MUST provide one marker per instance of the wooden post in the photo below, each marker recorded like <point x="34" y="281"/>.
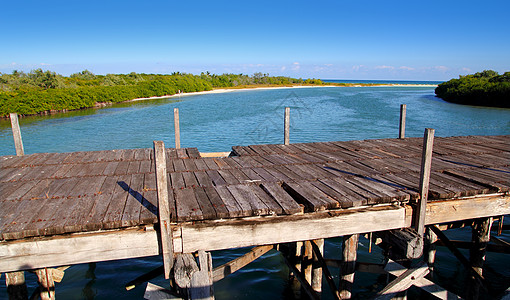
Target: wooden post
<point x="177" y="129"/>
<point x="16" y="286"/>
<point x="480" y="235"/>
<point x="306" y="265"/>
<point x="297" y="259"/>
<point x="430" y="248"/>
<point x="46" y="284"/>
<point x="202" y="281"/>
<point x="317" y="267"/>
<point x="286" y="139"/>
<point x="16" y="133"/>
<point x="350" y="248"/>
<point x="402" y="129"/>
<point x="426" y="163"/>
<point x="163" y="206"/>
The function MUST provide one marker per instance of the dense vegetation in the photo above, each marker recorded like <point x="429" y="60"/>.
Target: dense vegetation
<point x="486" y="88"/>
<point x="45" y="91"/>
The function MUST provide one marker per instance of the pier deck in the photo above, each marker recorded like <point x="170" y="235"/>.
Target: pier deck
<point x="67" y="208"/>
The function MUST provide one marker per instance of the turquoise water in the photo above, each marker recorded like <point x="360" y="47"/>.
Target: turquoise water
<point x="215" y="122"/>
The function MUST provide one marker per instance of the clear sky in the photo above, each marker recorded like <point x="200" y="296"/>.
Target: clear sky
<point x="406" y="40"/>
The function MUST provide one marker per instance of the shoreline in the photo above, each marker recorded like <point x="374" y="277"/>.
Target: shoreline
<point x="234" y="89"/>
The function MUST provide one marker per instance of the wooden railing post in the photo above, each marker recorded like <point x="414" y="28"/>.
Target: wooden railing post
<point x="163" y="206"/>
<point x="177" y="129"/>
<point x="426" y="163"/>
<point x="16" y="133"/>
<point x="286" y="133"/>
<point x="402" y="129"/>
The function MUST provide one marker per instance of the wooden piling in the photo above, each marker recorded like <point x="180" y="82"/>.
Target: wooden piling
<point x="402" y="128"/>
<point x="46" y="284"/>
<point x="16" y="286"/>
<point x="286" y="134"/>
<point x="317" y="267"/>
<point x="426" y="163"/>
<point x="163" y="206"/>
<point x="16" y="133"/>
<point x="177" y="129"/>
<point x="480" y="235"/>
<point x="430" y="248"/>
<point x="307" y="261"/>
<point x="349" y="251"/>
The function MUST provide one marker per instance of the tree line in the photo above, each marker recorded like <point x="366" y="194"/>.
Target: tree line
<point x="39" y="92"/>
<point x="487" y="88"/>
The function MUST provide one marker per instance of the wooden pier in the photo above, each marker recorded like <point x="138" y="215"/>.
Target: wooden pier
<point x="60" y="209"/>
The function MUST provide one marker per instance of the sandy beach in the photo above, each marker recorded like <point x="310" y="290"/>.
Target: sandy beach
<point x="228" y="90"/>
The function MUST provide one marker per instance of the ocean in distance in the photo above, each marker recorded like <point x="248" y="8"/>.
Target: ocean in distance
<point x="215" y="122"/>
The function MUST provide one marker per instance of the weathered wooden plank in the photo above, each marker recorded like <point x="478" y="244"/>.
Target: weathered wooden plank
<point x="261" y="231"/>
<point x="226" y="269"/>
<point x="177" y="180"/>
<point x="248" y="201"/>
<point x="206" y="207"/>
<point x="76" y="249"/>
<point x="131" y="213"/>
<point x="215" y="199"/>
<point x="230" y="203"/>
<point x="228" y="177"/>
<point x="187" y="205"/>
<point x="216" y="177"/>
<point x="312" y="198"/>
<point x="288" y="204"/>
<point x="203" y="179"/>
<point x="345" y="188"/>
<point x="190" y="180"/>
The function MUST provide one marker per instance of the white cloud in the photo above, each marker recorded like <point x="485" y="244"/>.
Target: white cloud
<point x="296" y="66"/>
<point x="441" y="68"/>
<point x="468" y="70"/>
<point x="406" y="68"/>
<point x="384" y="68"/>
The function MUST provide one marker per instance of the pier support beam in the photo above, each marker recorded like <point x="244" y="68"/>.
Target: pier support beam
<point x="195" y="281"/>
<point x="317" y="267"/>
<point x="480" y="234"/>
<point x="349" y="251"/>
<point x="46" y="284"/>
<point x="16" y="286"/>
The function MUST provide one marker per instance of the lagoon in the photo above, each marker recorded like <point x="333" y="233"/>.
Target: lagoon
<point x="214" y="123"/>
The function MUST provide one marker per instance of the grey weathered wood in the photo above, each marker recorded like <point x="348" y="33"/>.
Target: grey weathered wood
<point x="16" y="286"/>
<point x="430" y="248"/>
<point x="349" y="251"/>
<point x="430" y="287"/>
<point x="402" y="128"/>
<point x="426" y="162"/>
<point x="163" y="206"/>
<point x="318" y="247"/>
<point x="177" y="129"/>
<point x="230" y="267"/>
<point x="156" y="292"/>
<point x="405" y="243"/>
<point x="16" y="133"/>
<point x="46" y="284"/>
<point x="286" y="134"/>
<point x="318" y="265"/>
<point x="184" y="268"/>
<point x="403" y="281"/>
<point x="202" y="281"/>
<point x="480" y="235"/>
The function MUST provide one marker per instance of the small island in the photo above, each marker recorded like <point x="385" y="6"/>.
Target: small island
<point x="486" y="88"/>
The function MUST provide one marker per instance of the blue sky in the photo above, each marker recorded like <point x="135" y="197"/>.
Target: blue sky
<point x="400" y="40"/>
